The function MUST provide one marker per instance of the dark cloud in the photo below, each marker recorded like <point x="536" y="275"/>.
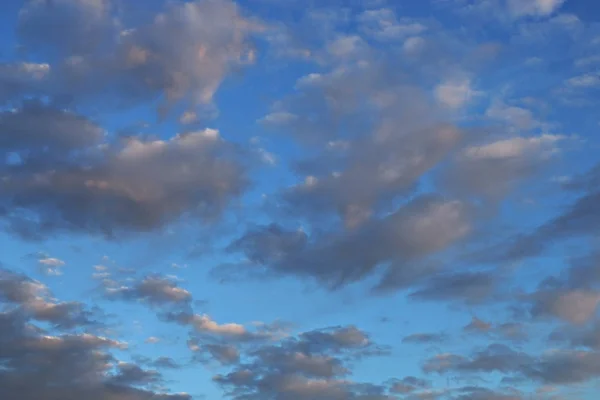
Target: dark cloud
<point x="41" y="133"/>
<point x="139" y="185"/>
<point x="421" y="228"/>
<point x="41" y="366"/>
<point x="132" y="374"/>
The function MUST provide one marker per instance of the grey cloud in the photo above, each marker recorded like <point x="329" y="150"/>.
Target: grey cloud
<point x="50" y="365"/>
<point x="132" y="374"/>
<point x="492" y="169"/>
<point x="578" y="220"/>
<point x="494" y="358"/>
<point x="391" y="138"/>
<point x="421" y="228"/>
<point x="558" y="367"/>
<point x="408" y="384"/>
<point x="222" y="353"/>
<point x="67" y="27"/>
<point x="38" y="133"/>
<point x="572" y="296"/>
<point x="470" y="287"/>
<point x="137" y="185"/>
<point x="182" y="55"/>
<point x="480" y="393"/>
<point x="513" y="331"/>
<point x="155" y="290"/>
<point x="478" y="325"/>
<point x="309" y="366"/>
<point x="424" y="338"/>
<point x="587" y="336"/>
<point x="165" y="362"/>
<point x="566" y="367"/>
<point x="21" y="79"/>
<point x="35" y="299"/>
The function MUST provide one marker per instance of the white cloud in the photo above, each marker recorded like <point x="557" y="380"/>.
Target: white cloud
<point x="455" y="94"/>
<point x="538" y="8"/>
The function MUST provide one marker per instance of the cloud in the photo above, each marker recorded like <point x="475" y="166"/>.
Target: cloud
<point x="67" y="27"/>
<point x="536" y="8"/>
<point x="455" y="94"/>
<point x="478" y="325"/>
<point x="421" y="228"/>
<point x="408" y="384"/>
<point x="20" y="79"/>
<point x="470" y="287"/>
<point x="182" y="55"/>
<point x="204" y="326"/>
<point x="384" y="25"/>
<point x="155" y="290"/>
<point x="495" y="357"/>
<point x="495" y="169"/>
<point x="50" y="265"/>
<point x="424" y="338"/>
<point x="35" y="299"/>
<point x="66" y="366"/>
<point x="309" y="366"/>
<point x="513" y="331"/>
<point x="61" y="184"/>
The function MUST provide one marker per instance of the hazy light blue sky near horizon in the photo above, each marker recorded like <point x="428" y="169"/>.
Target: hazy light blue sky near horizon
<point x="299" y="200"/>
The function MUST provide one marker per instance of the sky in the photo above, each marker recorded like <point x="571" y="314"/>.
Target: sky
<point x="299" y="199"/>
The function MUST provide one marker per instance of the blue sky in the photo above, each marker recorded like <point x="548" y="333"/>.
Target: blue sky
<point x="294" y="200"/>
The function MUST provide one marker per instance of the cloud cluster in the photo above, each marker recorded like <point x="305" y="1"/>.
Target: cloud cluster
<point x="182" y="54"/>
<point x="54" y="363"/>
<point x="313" y="365"/>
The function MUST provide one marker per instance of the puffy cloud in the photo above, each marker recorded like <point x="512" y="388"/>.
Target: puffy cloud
<point x="62" y="184"/>
<point x="38" y="133"/>
<point x="45" y="367"/>
<point x="183" y="54"/>
<point x="35" y="299"/>
<point x="59" y="363"/>
<point x="455" y="94"/>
